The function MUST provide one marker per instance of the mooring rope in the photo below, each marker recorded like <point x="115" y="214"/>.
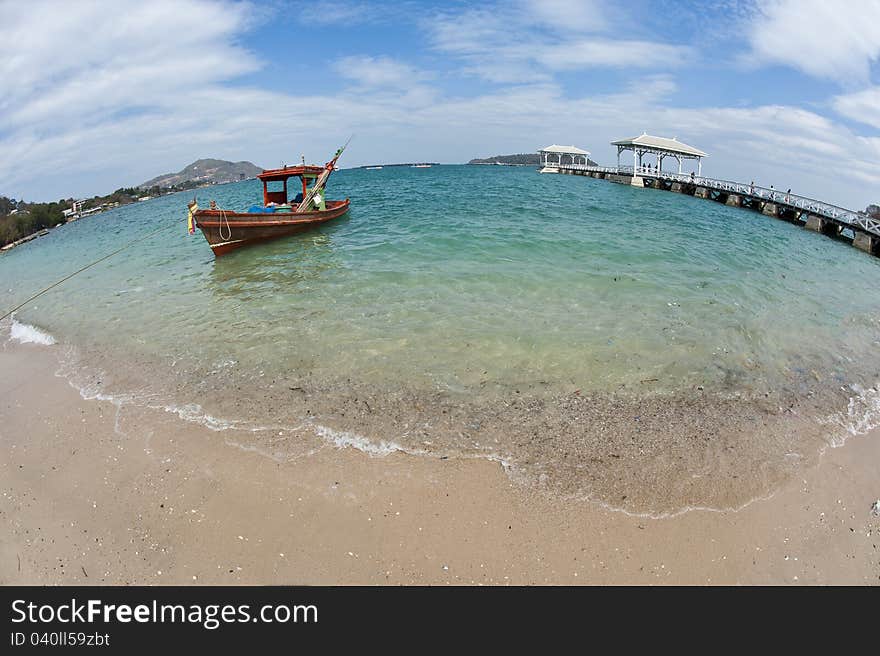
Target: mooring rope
<point x="88" y="266"/>
<point x="223" y="218"/>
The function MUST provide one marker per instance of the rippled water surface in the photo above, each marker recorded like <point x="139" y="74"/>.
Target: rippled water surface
<point x="467" y="287"/>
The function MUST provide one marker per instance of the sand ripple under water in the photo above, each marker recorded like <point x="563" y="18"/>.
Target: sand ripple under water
<point x="639" y="349"/>
<point x="657" y="454"/>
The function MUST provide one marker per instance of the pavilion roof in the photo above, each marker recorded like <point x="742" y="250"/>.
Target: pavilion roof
<point x="566" y="150"/>
<point x="661" y="143"/>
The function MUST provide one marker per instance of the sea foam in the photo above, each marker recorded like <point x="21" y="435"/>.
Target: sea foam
<point x="862" y="414"/>
<point x="193" y="413"/>
<point x="28" y="334"/>
<point x="344" y="439"/>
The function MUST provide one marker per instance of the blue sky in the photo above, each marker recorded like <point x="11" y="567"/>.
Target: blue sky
<point x="98" y="95"/>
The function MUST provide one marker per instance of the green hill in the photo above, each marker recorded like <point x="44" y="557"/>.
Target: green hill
<point x="206" y="171"/>
<point x="524" y="159"/>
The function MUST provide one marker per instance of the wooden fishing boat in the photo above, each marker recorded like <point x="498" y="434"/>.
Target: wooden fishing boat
<point x="226" y="231"/>
<point x="278" y="216"/>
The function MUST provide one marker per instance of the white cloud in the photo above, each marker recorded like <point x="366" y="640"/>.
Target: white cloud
<point x="568" y="15"/>
<point x="862" y="106"/>
<point x="45" y="42"/>
<point x="74" y="73"/>
<point x="600" y="52"/>
<point x="834" y="40"/>
<point x="142" y="97"/>
<point x="378" y="71"/>
<point x="529" y="41"/>
<point x="334" y="13"/>
<point x="91" y="60"/>
<point x="349" y="13"/>
<point x="784" y="146"/>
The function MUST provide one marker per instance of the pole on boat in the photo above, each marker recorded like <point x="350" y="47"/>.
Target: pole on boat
<point x="321" y="181"/>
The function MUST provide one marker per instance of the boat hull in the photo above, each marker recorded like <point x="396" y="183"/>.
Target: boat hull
<point x="227" y="231"/>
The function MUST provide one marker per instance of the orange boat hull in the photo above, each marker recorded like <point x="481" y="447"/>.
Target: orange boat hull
<point x="226" y="231"/>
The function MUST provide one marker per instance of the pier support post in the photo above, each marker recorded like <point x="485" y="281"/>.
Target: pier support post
<point x="770" y="209"/>
<point x="676" y="187"/>
<point x="868" y="243"/>
<point x="734" y="200"/>
<point x="821" y="224"/>
<point x="637" y="181"/>
<point x="701" y="192"/>
<point x="814" y="222"/>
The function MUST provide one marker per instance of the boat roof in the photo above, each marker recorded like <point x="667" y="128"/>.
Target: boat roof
<point x="289" y="172"/>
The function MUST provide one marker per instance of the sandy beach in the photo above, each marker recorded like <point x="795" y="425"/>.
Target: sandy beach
<point x="98" y="493"/>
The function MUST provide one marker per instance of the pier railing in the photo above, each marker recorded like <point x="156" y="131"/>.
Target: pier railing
<point x="821" y="208"/>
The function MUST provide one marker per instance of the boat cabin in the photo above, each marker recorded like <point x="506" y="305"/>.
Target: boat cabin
<point x="276" y="192"/>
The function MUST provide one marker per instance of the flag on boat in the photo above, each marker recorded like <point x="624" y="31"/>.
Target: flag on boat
<point x="190" y="222"/>
<point x="313" y="196"/>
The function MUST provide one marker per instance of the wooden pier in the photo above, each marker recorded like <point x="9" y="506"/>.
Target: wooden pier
<point x="856" y="228"/>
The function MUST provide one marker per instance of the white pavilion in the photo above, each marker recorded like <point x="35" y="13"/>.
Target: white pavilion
<point x="661" y="147"/>
<point x="554" y="155"/>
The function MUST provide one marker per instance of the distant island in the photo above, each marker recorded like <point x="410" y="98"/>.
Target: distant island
<point x="21" y="221"/>
<point x="203" y="172"/>
<point x="523" y="159"/>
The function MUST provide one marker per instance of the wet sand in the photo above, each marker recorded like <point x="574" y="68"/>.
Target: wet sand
<point x="92" y="494"/>
<point x="653" y="452"/>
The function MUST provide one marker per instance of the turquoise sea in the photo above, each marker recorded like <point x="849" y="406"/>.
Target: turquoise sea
<point x="461" y="310"/>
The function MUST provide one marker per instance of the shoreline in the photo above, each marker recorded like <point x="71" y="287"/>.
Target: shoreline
<point x="97" y="493"/>
<point x="652" y="455"/>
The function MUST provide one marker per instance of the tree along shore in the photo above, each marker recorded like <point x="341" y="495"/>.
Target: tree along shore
<point x="20" y="219"/>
